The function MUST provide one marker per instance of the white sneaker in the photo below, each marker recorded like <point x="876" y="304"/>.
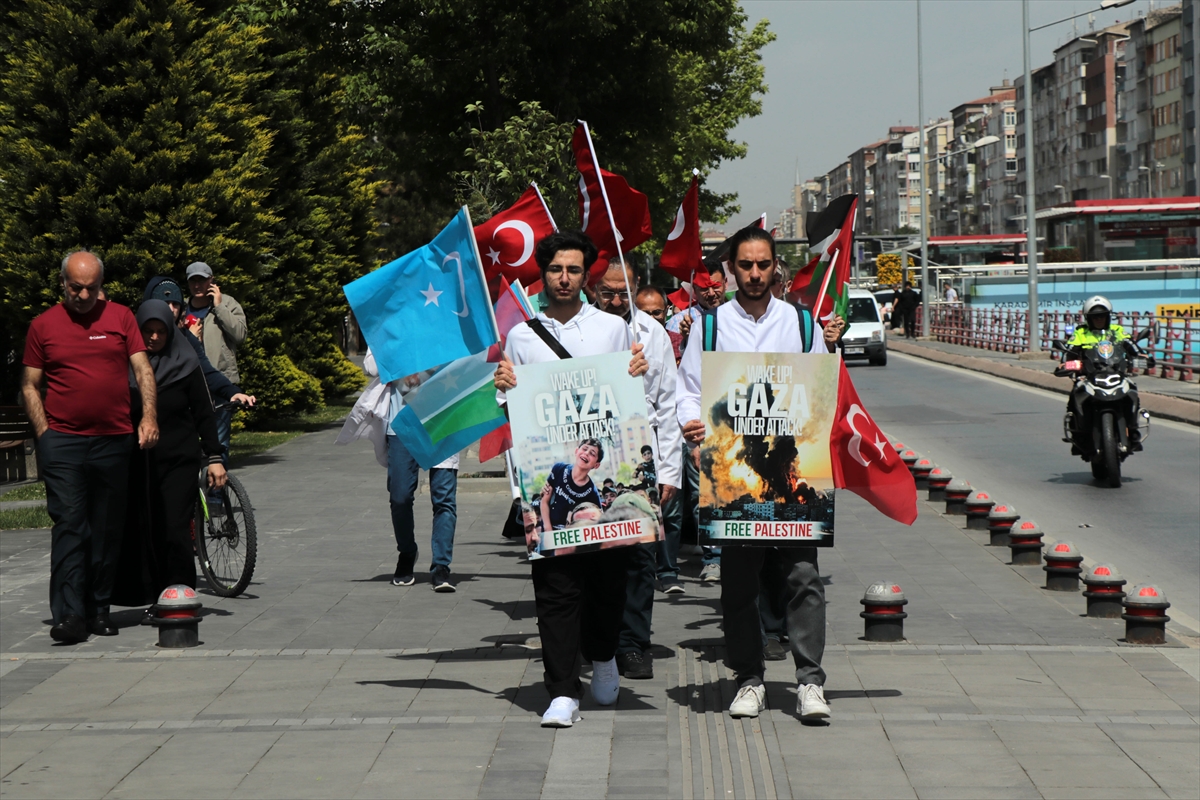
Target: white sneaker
<point x="810" y="702"/>
<point x="749" y="701"/>
<point x="711" y="574"/>
<point x="606" y="681"/>
<point x="562" y="713"/>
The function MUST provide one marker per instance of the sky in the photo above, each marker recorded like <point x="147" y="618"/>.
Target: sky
<point x="842" y="71"/>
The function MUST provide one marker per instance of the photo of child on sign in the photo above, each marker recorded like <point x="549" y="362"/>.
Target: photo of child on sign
<point x="579" y="426"/>
<point x="765" y="471"/>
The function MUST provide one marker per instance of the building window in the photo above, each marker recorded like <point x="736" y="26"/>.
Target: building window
<point x="1010" y="166"/>
<point x="1010" y="119"/>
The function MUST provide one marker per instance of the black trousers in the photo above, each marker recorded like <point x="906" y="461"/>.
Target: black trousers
<point x="772" y="591"/>
<point x="579" y="600"/>
<point x="910" y="324"/>
<point x="804" y="604"/>
<point x="639" y="599"/>
<point x="86" y="479"/>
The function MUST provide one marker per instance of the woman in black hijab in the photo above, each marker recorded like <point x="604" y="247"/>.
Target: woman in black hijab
<point x="157" y="549"/>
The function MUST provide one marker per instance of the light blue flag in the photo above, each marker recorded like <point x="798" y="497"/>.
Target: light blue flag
<point x="451" y="409"/>
<point x="428" y="307"/>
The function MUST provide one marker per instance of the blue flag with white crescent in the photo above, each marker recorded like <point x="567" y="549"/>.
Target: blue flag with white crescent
<point x="428" y="307"/>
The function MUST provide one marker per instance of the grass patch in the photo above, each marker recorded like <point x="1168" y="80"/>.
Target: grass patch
<point x="30" y="491"/>
<point x="261" y="435"/>
<point x="24" y="518"/>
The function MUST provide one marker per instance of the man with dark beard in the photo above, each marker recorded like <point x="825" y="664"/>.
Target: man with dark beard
<point x="755" y="321"/>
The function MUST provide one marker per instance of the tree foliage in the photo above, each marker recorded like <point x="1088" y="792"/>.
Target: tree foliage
<point x="162" y="132"/>
<point x="661" y="84"/>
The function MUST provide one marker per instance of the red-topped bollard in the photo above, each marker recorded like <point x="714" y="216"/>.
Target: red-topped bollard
<point x="899" y="447"/>
<point x="957" y="492"/>
<point x="1025" y="543"/>
<point x="1000" y="521"/>
<point x="1062" y="567"/>
<point x="920" y="472"/>
<point x="937" y="481"/>
<point x="978" y="505"/>
<point x="177" y="617"/>
<point x="1102" y="588"/>
<point x="909" y="457"/>
<point x="1145" y="615"/>
<point x="884" y="613"/>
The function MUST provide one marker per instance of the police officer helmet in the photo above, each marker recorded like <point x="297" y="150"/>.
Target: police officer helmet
<point x="1096" y="305"/>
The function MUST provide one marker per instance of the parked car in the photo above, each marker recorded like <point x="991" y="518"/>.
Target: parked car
<point x="866" y="336"/>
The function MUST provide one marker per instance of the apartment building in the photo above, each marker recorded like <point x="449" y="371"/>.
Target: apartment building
<point x="1151" y="139"/>
<point x="896" y="170"/>
<point x="997" y="164"/>
<point x="862" y="183"/>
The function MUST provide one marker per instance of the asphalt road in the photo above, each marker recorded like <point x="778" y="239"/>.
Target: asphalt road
<point x="1005" y="437"/>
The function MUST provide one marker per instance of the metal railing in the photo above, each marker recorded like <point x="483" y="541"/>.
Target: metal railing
<point x="1174" y="341"/>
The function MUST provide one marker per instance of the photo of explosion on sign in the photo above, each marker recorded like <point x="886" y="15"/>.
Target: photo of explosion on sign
<point x="582" y="448"/>
<point x="765" y="471"/>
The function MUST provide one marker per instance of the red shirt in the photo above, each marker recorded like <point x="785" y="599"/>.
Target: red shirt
<point x="86" y="361"/>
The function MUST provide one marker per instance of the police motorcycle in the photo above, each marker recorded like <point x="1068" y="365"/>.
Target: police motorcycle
<point x="1103" y="401"/>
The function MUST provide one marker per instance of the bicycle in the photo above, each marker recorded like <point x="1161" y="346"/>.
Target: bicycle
<point x="226" y="541"/>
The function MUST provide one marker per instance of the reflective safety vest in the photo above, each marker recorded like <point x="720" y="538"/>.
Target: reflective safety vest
<point x="1085" y="338"/>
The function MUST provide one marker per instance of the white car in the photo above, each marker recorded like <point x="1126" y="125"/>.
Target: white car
<point x="865" y="335"/>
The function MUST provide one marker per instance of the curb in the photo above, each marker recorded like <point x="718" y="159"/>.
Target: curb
<point x="1172" y="408"/>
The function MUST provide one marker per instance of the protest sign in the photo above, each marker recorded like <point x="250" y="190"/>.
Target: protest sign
<point x="576" y="422"/>
<point x="765" y="471"/>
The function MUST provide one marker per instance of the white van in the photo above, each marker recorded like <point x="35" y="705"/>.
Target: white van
<point x="865" y="336"/>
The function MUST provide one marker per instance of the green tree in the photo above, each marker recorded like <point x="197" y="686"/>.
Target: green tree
<point x="166" y="131"/>
<point x="661" y="84"/>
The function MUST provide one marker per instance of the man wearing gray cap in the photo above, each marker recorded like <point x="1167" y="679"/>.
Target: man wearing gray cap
<point x="219" y="322"/>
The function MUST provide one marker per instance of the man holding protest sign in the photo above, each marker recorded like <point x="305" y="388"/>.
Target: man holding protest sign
<point x="579" y="598"/>
<point x="756" y="322"/>
<point x="665" y="468"/>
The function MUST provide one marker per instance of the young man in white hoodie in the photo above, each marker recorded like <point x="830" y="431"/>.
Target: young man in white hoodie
<point x="579" y="598"/>
<point x="756" y="322"/>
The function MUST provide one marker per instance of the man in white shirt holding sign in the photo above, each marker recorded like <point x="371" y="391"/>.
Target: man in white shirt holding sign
<point x="756" y="322"/>
<point x="579" y="598"/>
<point x="612" y="296"/>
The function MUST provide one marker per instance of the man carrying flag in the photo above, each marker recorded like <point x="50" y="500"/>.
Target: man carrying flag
<point x="633" y="652"/>
<point x="580" y="598"/>
<point x="754" y="321"/>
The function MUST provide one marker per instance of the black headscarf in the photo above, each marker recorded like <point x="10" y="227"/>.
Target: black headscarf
<point x="175" y="361"/>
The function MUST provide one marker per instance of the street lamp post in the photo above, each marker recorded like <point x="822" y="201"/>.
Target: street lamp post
<point x="924" y="194"/>
<point x="1034" y="344"/>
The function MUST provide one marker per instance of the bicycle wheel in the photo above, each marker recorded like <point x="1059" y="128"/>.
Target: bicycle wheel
<point x="227" y="541"/>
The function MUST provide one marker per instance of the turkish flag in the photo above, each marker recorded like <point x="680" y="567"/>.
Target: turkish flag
<point x="630" y="208"/>
<point x="681" y="254"/>
<point x="507" y="241"/>
<point x="863" y="460"/>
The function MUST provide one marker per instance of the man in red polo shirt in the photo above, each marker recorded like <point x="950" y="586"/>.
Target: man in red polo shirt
<point x="83" y="351"/>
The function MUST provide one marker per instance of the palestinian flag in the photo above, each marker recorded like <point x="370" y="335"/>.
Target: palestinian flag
<point x="821" y="285"/>
<point x="452" y="408"/>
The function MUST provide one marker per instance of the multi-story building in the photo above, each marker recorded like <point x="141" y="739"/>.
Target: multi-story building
<point x="840" y="181"/>
<point x="810" y="198"/>
<point x="1164" y="73"/>
<point x="862" y="183"/>
<point x="1075" y="112"/>
<point x="894" y="207"/>
<point x="997" y="164"/>
<point x="937" y="142"/>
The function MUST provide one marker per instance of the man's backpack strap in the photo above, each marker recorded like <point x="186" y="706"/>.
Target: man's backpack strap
<point x="537" y="327"/>
<point x="806" y="326"/>
<point x="708" y="329"/>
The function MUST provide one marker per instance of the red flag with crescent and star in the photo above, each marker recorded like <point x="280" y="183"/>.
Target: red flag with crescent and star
<point x="681" y="254"/>
<point x="629" y="208"/>
<point x="507" y="241"/>
<point x="865" y="462"/>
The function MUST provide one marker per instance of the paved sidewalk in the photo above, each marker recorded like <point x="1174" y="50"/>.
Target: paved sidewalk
<point x="326" y="681"/>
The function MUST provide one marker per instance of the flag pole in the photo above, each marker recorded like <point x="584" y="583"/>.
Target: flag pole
<point x="482" y="277"/>
<point x="613" y="224"/>
<point x="545" y="207"/>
